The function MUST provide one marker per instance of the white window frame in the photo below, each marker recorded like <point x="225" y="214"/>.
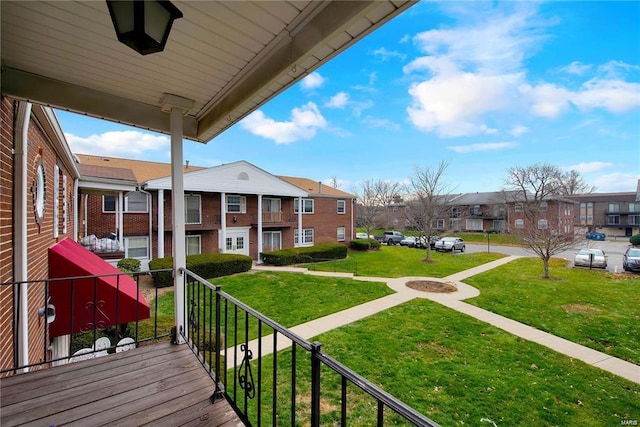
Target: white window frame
<point x="519" y="223"/>
<point x="307" y="204"/>
<point x="307" y="237"/>
<point x="127" y="242"/>
<point x="438" y="224"/>
<point x="115" y="203"/>
<point x="186" y="243"/>
<point x="241" y="204"/>
<point x="127" y="209"/>
<point x="633" y="220"/>
<point x="270" y="239"/>
<point x="341" y="207"/>
<point x="613" y="220"/>
<point x="474" y="224"/>
<point x="186" y="213"/>
<point x="543" y="206"/>
<point x="543" y="224"/>
<point x="341" y="234"/>
<point x="519" y="207"/>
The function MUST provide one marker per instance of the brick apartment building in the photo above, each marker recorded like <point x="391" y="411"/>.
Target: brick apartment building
<point x="615" y="214"/>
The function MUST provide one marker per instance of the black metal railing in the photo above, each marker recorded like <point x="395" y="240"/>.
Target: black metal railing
<point x="274" y="377"/>
<point x="101" y="318"/>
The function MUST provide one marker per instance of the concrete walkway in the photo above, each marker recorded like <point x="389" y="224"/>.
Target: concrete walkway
<point x="452" y="300"/>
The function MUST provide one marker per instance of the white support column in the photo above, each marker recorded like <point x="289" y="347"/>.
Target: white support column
<point x="20" y="244"/>
<point x="75" y="199"/>
<point x="223" y="222"/>
<point x="178" y="106"/>
<point x="119" y="215"/>
<point x="300" y="209"/>
<point x="259" y="227"/>
<point x="160" y="223"/>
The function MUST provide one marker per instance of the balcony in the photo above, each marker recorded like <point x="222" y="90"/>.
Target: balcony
<point x="235" y="367"/>
<point x="275" y="219"/>
<point x="193" y="223"/>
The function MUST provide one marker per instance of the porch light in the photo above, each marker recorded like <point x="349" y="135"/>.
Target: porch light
<point x="143" y="25"/>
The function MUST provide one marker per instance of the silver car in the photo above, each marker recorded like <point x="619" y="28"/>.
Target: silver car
<point x="450" y="244"/>
<point x="595" y="258"/>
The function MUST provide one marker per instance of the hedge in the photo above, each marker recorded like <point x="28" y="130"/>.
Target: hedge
<point x="364" y="244"/>
<point x="129" y="265"/>
<point x="298" y="255"/>
<point x="206" y="266"/>
<point x="635" y="240"/>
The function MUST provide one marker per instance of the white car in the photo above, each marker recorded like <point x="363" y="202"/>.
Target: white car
<point x="595" y="258"/>
<point x="363" y="236"/>
<point x="450" y="244"/>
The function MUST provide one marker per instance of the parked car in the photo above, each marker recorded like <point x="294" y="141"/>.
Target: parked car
<point x="390" y="237"/>
<point x="595" y="258"/>
<point x="410" y="241"/>
<point x="450" y="244"/>
<point x="592" y="235"/>
<point x="631" y="259"/>
<point x="363" y="236"/>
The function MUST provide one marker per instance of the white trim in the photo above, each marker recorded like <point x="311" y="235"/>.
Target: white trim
<point x="160" y="223"/>
<point x="56" y="201"/>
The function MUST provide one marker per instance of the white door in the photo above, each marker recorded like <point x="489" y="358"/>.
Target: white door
<point x="237" y="242"/>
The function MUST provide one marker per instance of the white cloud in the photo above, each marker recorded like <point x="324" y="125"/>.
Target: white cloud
<point x="378" y="123"/>
<point x="547" y="100"/>
<point x="617" y="182"/>
<point x="339" y="100"/>
<point x="453" y="104"/>
<point x="614" y="95"/>
<point x="304" y="123"/>
<point x="518" y="130"/>
<point x="128" y="144"/>
<point x="588" y="167"/>
<point x="312" y="81"/>
<point x="489" y="146"/>
<point x="577" y="68"/>
<point x="385" y="54"/>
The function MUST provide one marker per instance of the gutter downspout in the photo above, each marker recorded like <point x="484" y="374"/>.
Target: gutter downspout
<point x="259" y="260"/>
<point x="300" y="208"/>
<point x="150" y="199"/>
<point x="223" y="223"/>
<point x="160" y="223"/>
<point x="20" y="261"/>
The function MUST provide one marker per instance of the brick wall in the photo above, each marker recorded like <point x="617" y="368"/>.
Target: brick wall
<point x="39" y="236"/>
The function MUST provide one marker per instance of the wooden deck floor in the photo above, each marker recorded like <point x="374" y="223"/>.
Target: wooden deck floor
<point x="160" y="385"/>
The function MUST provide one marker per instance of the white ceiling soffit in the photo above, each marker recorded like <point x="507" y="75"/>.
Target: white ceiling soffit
<point x="229" y="57"/>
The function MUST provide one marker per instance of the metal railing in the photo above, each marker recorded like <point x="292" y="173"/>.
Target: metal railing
<point x="274" y="377"/>
<point x="80" y="344"/>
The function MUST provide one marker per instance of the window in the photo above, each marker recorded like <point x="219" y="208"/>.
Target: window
<point x="136" y="247"/>
<point x="192" y="209"/>
<point x="271" y="241"/>
<point x="634" y="207"/>
<point x="474" y="224"/>
<point x="236" y="204"/>
<point x="614" y="207"/>
<point x="342" y="208"/>
<point x="613" y="219"/>
<point x="342" y="231"/>
<point x="586" y="213"/>
<point x="109" y="203"/>
<point x="395" y="209"/>
<point x="543" y="206"/>
<point x="543" y="224"/>
<point x="475" y="210"/>
<point x="438" y="224"/>
<point x="455" y="224"/>
<point x="498" y="224"/>
<point x="307" y="237"/>
<point x="455" y="212"/>
<point x="519" y="223"/>
<point x="307" y="206"/>
<point x="136" y="202"/>
<point x="192" y="244"/>
<point x="634" y="220"/>
<point x="271" y="210"/>
<point x="519" y="207"/>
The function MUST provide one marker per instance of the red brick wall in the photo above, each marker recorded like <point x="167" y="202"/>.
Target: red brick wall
<point x="39" y="236"/>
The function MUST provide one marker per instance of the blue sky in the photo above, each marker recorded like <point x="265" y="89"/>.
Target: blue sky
<point x="482" y="85"/>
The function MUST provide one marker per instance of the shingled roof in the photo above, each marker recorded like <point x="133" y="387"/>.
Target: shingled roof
<point x="316" y="188"/>
<point x="142" y="170"/>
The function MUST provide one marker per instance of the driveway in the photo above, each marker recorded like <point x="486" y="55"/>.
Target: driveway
<point x="613" y="248"/>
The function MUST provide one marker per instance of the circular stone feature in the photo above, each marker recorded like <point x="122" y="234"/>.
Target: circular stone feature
<point x="432" y="286"/>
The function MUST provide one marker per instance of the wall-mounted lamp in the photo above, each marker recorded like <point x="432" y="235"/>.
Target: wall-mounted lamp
<point x="234" y="219"/>
<point x="143" y="25"/>
<point x="49" y="311"/>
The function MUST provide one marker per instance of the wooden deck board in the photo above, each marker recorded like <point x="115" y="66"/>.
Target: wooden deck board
<point x="160" y="384"/>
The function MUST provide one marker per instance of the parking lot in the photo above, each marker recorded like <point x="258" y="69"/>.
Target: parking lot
<point x="613" y="248"/>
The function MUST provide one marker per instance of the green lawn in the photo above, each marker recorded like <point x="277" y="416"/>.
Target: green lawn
<point x="597" y="309"/>
<point x="399" y="261"/>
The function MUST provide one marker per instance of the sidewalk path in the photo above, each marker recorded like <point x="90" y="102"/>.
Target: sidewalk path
<point x="452" y="300"/>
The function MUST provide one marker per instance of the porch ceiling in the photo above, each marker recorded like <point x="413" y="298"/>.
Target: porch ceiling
<point x="229" y="57"/>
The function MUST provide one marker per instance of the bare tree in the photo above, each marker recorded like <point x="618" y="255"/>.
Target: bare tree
<point x="429" y="196"/>
<point x="530" y="188"/>
<point x="373" y="198"/>
<point x="572" y="183"/>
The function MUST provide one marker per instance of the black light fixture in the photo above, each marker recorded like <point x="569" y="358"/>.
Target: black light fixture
<point x="143" y="25"/>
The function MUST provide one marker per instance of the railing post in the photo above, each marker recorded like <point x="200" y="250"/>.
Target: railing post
<point x="315" y="384"/>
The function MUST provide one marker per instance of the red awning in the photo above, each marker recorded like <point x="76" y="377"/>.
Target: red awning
<point x="80" y="304"/>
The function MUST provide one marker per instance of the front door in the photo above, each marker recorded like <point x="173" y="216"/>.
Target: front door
<point x="237" y="241"/>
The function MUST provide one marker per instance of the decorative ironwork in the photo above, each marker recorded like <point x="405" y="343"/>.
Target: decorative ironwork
<point x="193" y="318"/>
<point x="246" y="376"/>
<point x="102" y="320"/>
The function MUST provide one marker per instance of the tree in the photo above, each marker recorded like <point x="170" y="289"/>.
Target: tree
<point x="572" y="183"/>
<point x="373" y="198"/>
<point x="429" y="196"/>
<point x="531" y="187"/>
